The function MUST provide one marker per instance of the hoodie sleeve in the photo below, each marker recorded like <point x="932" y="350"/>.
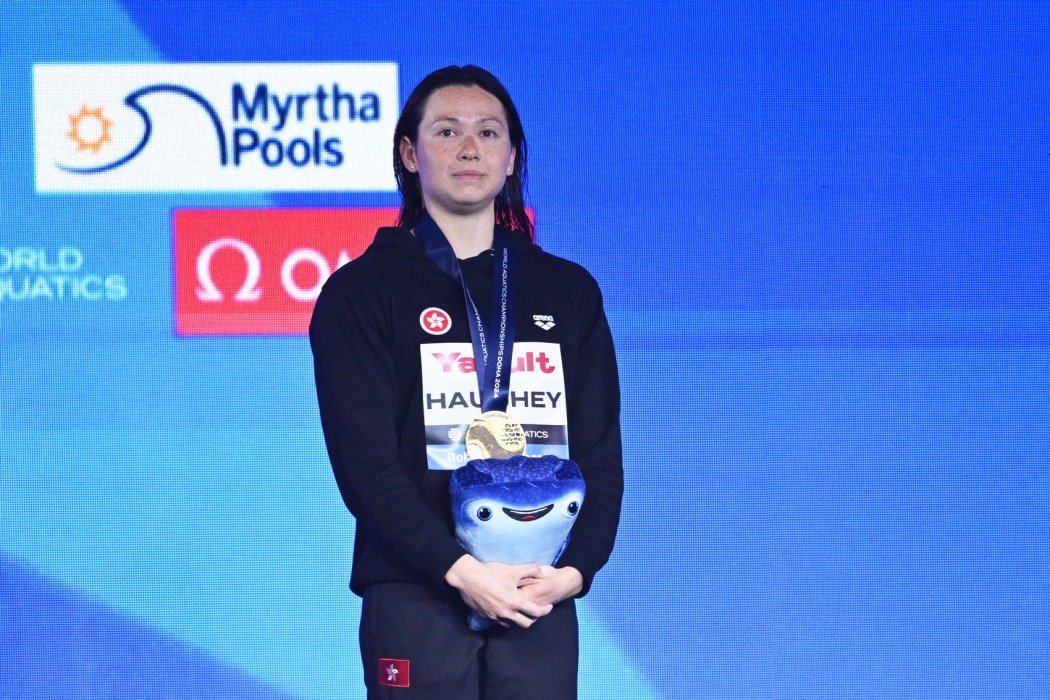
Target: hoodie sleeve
<point x="357" y="395"/>
<point x="594" y="437"/>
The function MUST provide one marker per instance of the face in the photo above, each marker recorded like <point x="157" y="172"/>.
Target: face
<point x="463" y="152"/>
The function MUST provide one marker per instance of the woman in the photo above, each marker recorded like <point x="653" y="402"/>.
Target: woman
<point x="395" y="337"/>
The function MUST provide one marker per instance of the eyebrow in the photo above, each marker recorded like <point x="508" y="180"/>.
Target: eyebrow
<point x="457" y="120"/>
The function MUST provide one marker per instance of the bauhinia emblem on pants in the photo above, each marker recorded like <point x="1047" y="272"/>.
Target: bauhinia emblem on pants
<point x="394" y="672"/>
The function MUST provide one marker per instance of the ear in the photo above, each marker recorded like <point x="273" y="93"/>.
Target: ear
<point x="513" y="158"/>
<point x="408" y="155"/>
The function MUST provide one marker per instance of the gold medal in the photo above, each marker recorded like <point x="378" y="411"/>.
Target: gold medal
<point x="494" y="434"/>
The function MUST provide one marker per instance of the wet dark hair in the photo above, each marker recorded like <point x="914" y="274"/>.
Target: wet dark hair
<point x="510" y="202"/>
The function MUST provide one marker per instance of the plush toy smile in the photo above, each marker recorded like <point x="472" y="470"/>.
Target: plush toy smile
<point x="526" y="515"/>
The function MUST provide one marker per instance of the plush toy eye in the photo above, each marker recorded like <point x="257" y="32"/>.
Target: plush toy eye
<point x="572" y="509"/>
<point x="484" y="513"/>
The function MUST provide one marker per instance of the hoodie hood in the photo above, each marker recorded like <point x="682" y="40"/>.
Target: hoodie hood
<point x="401" y="241"/>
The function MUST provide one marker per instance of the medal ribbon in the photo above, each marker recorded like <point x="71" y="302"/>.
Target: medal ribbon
<point x="493" y="340"/>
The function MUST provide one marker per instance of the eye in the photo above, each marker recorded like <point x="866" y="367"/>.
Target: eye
<point x="446" y="132"/>
<point x="484" y="513"/>
<point x="489" y="133"/>
<point x="572" y="509"/>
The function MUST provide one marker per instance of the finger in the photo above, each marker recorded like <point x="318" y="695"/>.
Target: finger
<point x="542" y="596"/>
<point x="544" y="572"/>
<point x="534" y="610"/>
<point x="529" y="571"/>
<point x="520" y="620"/>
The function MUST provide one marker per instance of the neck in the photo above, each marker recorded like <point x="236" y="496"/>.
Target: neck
<point x="469" y="235"/>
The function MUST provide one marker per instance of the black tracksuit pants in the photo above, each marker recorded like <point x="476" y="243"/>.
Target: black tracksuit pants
<point x="415" y="644"/>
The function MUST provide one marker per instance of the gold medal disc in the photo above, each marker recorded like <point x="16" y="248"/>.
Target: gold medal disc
<point x="495" y="435"/>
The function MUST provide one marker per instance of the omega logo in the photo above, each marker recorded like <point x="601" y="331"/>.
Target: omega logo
<point x="249" y="289"/>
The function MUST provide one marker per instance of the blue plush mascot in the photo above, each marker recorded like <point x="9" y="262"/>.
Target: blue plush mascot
<point x="515" y="510"/>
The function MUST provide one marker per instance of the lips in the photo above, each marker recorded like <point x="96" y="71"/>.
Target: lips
<point x="468" y="175"/>
<point x="527" y="515"/>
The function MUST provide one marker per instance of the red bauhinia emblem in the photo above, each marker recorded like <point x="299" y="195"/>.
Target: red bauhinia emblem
<point x="393" y="672"/>
<point x="435" y="321"/>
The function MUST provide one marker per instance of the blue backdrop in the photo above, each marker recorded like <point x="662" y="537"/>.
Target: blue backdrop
<point x="822" y="233"/>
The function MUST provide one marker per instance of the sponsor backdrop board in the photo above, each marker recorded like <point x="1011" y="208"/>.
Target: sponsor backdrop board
<point x="822" y="236"/>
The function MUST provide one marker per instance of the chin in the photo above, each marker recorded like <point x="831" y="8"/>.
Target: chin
<point x="469" y="207"/>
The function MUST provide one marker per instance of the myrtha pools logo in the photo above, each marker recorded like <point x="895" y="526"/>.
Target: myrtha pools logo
<point x="214" y="127"/>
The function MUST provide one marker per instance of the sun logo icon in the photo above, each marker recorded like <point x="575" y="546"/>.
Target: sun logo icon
<point x="89" y="129"/>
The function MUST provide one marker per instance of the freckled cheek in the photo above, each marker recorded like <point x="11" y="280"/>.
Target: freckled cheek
<point x="503" y="158"/>
<point x="437" y="154"/>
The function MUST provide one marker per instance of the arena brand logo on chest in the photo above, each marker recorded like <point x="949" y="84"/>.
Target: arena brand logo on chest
<point x="544" y="321"/>
<point x="259" y="271"/>
<point x="214" y="127"/>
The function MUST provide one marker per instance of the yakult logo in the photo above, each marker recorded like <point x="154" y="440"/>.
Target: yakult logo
<point x="524" y="362"/>
<point x="259" y="271"/>
<point x="207" y="127"/>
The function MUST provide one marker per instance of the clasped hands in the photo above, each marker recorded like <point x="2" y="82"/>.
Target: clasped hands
<point x="517" y="595"/>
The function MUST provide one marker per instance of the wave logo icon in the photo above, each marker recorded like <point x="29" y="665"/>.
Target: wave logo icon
<point x="90" y="129"/>
<point x="254" y="127"/>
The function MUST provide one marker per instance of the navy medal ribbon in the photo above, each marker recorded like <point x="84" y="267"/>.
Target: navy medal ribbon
<point x="493" y="339"/>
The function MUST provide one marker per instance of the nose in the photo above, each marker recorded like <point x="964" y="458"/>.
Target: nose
<point x="468" y="149"/>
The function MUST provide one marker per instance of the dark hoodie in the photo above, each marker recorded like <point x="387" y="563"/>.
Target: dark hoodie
<point x="367" y="337"/>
